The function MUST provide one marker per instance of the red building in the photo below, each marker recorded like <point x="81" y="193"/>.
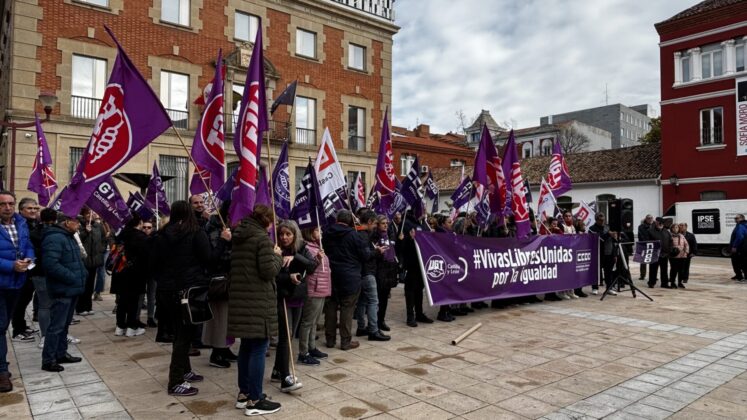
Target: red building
<point x="433" y="150"/>
<point x="702" y="55"/>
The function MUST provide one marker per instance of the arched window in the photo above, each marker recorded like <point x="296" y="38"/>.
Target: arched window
<point x="546" y="148"/>
<point x="526" y="150"/>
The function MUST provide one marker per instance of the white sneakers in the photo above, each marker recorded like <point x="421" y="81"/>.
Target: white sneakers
<point x="119" y="331"/>
<point x="134" y="333"/>
<point x="41" y="343"/>
<point x="72" y="340"/>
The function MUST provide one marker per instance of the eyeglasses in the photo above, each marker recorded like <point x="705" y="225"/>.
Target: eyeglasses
<point x="147" y="227"/>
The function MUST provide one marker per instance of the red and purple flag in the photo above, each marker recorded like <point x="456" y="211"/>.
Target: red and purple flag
<point x="360" y="192"/>
<point x="156" y="194"/>
<point x="42" y="180"/>
<point x="515" y="194"/>
<point x="558" y="178"/>
<point x="489" y="171"/>
<point x="385" y="178"/>
<point x="208" y="146"/>
<point x="248" y="140"/>
<point x="130" y="117"/>
<point x="281" y="184"/>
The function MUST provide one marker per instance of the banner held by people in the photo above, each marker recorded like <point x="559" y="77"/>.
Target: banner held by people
<point x="42" y="180"/>
<point x="208" y="147"/>
<point x="647" y="252"/>
<point x="137" y="203"/>
<point x="359" y="192"/>
<point x="461" y="269"/>
<point x="545" y="207"/>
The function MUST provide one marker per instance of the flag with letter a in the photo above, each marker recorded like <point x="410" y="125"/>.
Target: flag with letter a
<point x="332" y="185"/>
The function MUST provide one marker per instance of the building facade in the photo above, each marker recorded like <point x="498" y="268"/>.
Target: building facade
<point x="625" y="124"/>
<point x="538" y="141"/>
<point x="703" y="79"/>
<point x="432" y="150"/>
<point x="339" y="51"/>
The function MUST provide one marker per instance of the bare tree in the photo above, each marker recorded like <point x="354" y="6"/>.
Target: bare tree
<point x="510" y="124"/>
<point x="462" y="122"/>
<point x="573" y="141"/>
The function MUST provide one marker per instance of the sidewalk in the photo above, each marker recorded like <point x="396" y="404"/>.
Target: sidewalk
<point x="683" y="356"/>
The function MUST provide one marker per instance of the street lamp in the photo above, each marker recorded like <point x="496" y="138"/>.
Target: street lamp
<point x="674" y="180"/>
<point x="48" y="101"/>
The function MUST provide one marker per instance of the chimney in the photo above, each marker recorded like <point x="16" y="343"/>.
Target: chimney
<point x="423" y="131"/>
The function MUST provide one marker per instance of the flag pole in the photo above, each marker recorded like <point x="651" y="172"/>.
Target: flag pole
<point x="318" y="226"/>
<point x="158" y="215"/>
<point x="272" y="198"/>
<point x="207" y="188"/>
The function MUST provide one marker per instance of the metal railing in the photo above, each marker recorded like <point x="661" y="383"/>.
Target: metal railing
<point x="381" y="8"/>
<point x="84" y="107"/>
<point x="305" y="136"/>
<point x="179" y="118"/>
<point x="357" y="143"/>
<point x="712" y="135"/>
<point x="278" y="130"/>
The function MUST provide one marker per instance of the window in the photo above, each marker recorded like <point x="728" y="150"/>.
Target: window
<point x="175" y="11"/>
<point x="740" y="57"/>
<point x="305" y="120"/>
<point x="711" y="126"/>
<point x="356" y="57"/>
<point x="526" y="150"/>
<point x="230" y="166"/>
<point x="305" y="43"/>
<point x="356" y="128"/>
<point x="405" y="161"/>
<point x="686" y="77"/>
<point x="622" y="116"/>
<point x="76" y="153"/>
<point x="622" y="132"/>
<point x="175" y="97"/>
<point x="456" y="163"/>
<point x="712" y="195"/>
<point x="300" y="171"/>
<point x="238" y="93"/>
<point x="475" y="137"/>
<point x="104" y="3"/>
<point x="712" y="64"/>
<point x="246" y="26"/>
<point x="176" y="166"/>
<point x="89" y="82"/>
<point x="546" y="147"/>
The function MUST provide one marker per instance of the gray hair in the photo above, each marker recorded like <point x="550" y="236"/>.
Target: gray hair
<point x="25" y="201"/>
<point x="290" y="225"/>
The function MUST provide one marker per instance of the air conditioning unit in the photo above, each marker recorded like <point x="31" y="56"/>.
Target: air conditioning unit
<point x="424" y="169"/>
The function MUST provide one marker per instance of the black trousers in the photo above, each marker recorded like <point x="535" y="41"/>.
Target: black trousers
<point x="180" y="364"/>
<point x="19" y="313"/>
<point x="127" y="309"/>
<point x="608" y="267"/>
<point x="686" y="270"/>
<point x="167" y="309"/>
<point x="282" y="352"/>
<point x="85" y="301"/>
<point x="676" y="270"/>
<point x="383" y="293"/>
<point x="660" y="267"/>
<point x="737" y="266"/>
<point x="413" y="294"/>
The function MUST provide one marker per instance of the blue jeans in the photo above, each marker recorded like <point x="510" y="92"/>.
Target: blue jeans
<point x="60" y="314"/>
<point x="368" y="302"/>
<point x="101" y="275"/>
<point x="40" y="285"/>
<point x="251" y="365"/>
<point x="8" y="298"/>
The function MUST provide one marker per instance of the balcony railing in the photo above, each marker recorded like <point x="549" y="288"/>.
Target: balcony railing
<point x="278" y="130"/>
<point x="357" y="143"/>
<point x="305" y="136"/>
<point x="83" y="107"/>
<point x="381" y="8"/>
<point x="180" y="118"/>
<point x="712" y="135"/>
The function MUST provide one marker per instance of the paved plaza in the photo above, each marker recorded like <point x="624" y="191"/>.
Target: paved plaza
<point x="683" y="356"/>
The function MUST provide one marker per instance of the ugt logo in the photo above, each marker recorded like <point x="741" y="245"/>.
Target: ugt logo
<point x="111" y="140"/>
<point x="435" y="268"/>
<point x="211" y="129"/>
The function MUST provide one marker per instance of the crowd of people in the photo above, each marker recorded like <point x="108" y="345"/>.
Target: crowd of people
<point x="263" y="293"/>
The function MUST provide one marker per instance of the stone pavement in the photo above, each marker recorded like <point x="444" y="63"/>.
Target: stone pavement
<point x="683" y="356"/>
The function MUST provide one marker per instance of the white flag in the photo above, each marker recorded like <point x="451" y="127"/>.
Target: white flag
<point x="332" y="185"/>
<point x="585" y="213"/>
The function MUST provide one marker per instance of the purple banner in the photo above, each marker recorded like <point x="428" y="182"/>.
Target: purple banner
<point x="460" y="269"/>
<point x="647" y="252"/>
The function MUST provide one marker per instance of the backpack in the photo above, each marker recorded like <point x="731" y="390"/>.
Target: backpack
<point x="116" y="262"/>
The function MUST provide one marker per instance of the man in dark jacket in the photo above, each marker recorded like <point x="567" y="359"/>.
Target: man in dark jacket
<point x="414" y="278"/>
<point x="66" y="280"/>
<point x="347" y="253"/>
<point x="738" y="243"/>
<point x="659" y="233"/>
<point x="368" y="302"/>
<point x="29" y="209"/>
<point x="692" y="246"/>
<point x="16" y="253"/>
<point x="643" y="235"/>
<point x="93" y="238"/>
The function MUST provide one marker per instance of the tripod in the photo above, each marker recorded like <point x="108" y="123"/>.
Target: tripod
<point x="623" y="278"/>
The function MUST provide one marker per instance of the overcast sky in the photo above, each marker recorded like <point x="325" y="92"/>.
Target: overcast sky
<point x="523" y="59"/>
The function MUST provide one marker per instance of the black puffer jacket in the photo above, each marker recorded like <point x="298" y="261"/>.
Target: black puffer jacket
<point x="347" y="253"/>
<point x="36" y="234"/>
<point x="665" y="239"/>
<point x="303" y="263"/>
<point x="387" y="268"/>
<point x="220" y="249"/>
<point x="180" y="258"/>
<point x="369" y="266"/>
<point x="94" y="242"/>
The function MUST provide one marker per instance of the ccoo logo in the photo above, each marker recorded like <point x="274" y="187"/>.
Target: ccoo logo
<point x="111" y="140"/>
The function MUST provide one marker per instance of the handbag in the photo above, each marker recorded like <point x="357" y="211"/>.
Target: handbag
<point x="301" y="291"/>
<point x="218" y="288"/>
<point x="196" y="304"/>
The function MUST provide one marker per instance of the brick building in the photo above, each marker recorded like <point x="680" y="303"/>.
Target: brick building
<point x="340" y="52"/>
<point x="432" y="150"/>
<point x="703" y="79"/>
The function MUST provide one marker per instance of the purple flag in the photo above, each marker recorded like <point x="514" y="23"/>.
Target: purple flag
<point x="307" y="210"/>
<point x="42" y="180"/>
<point x="208" y="145"/>
<point x="247" y="140"/>
<point x="107" y="202"/>
<point x="156" y="194"/>
<point x="385" y="179"/>
<point x="263" y="190"/>
<point x="515" y="194"/>
<point x="431" y="191"/>
<point x="411" y="190"/>
<point x="130" y="117"/>
<point x="373" y="199"/>
<point x="463" y="194"/>
<point x="558" y="178"/>
<point x="224" y="192"/>
<point x="137" y="203"/>
<point x="489" y="172"/>
<point x="281" y="184"/>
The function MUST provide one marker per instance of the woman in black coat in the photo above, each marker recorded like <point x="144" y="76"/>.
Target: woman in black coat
<point x="387" y="266"/>
<point x="128" y="282"/>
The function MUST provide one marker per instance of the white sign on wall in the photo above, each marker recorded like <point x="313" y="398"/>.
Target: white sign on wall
<point x="741" y="93"/>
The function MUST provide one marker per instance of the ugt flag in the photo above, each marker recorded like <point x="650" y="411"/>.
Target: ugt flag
<point x="248" y="140"/>
<point x="156" y="194"/>
<point x="489" y="172"/>
<point x="515" y="194"/>
<point x="411" y="190"/>
<point x="332" y="185"/>
<point x="359" y="192"/>
<point x="108" y="203"/>
<point x="281" y="184"/>
<point x="306" y="210"/>
<point x="384" y="183"/>
<point x="558" y="178"/>
<point x="130" y="117"/>
<point x="42" y="180"/>
<point x="208" y="146"/>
